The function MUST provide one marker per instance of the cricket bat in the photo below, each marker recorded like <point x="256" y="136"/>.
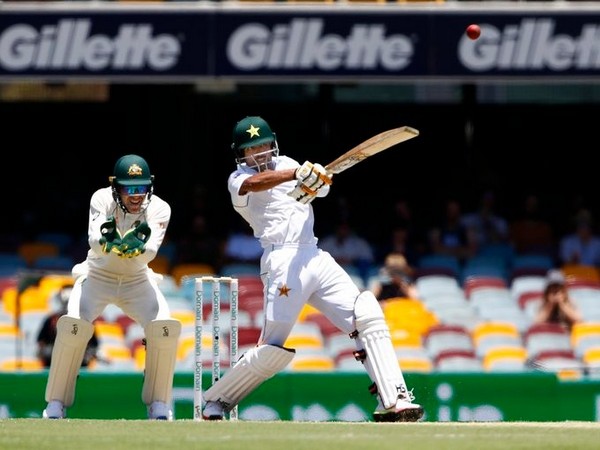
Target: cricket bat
<point x="370" y="147"/>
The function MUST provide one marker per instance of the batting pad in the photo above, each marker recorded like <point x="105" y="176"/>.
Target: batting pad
<point x="255" y="366"/>
<point x="162" y="338"/>
<point x="381" y="361"/>
<point x="72" y="336"/>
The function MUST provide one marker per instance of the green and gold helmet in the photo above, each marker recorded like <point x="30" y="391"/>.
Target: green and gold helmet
<point x="131" y="176"/>
<point x="249" y="132"/>
<point x="132" y="170"/>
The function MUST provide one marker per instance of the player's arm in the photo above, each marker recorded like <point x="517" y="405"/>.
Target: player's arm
<point x="266" y="180"/>
<point x="153" y="236"/>
<point x="103" y="235"/>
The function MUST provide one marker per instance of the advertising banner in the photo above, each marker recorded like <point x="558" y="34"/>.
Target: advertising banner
<point x="462" y="397"/>
<point x="286" y="42"/>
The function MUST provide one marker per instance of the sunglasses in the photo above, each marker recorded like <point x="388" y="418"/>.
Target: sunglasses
<point x="134" y="190"/>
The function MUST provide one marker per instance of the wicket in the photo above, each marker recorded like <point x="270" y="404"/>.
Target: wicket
<point x="216" y="284"/>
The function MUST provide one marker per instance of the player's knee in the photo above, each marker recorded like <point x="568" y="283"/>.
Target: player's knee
<point x="73" y="329"/>
<point x="368" y="313"/>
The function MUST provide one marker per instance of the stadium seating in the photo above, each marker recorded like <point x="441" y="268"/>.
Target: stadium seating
<point x="458" y="361"/>
<point x="430" y="286"/>
<point x="305" y="335"/>
<point x="311" y="360"/>
<point x="546" y="337"/>
<point x="443" y="263"/>
<point x="442" y="338"/>
<point x="474" y="283"/>
<point x="191" y="270"/>
<point x="505" y="359"/>
<point x="490" y="335"/>
<point x="585" y="335"/>
<point x="580" y="272"/>
<point x="32" y="250"/>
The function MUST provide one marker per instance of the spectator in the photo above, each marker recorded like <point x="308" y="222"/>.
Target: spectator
<point x="531" y="230"/>
<point x="557" y="306"/>
<point x="47" y="333"/>
<point x="451" y="236"/>
<point x="489" y="227"/>
<point x="582" y="246"/>
<point x="348" y="248"/>
<point x="402" y="236"/>
<point x="396" y="279"/>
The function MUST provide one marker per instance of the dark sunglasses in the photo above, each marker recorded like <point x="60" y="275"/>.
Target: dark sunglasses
<point x="134" y="190"/>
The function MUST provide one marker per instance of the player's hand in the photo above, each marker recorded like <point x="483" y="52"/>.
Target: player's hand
<point x="312" y="176"/>
<point x="134" y="240"/>
<point x="111" y="238"/>
<point x="302" y="194"/>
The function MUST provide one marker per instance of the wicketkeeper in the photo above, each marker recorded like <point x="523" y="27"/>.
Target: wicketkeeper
<point x="273" y="193"/>
<point x="127" y="225"/>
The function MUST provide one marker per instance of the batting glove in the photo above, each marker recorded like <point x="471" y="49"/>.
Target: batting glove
<point x="313" y="176"/>
<point x="302" y="194"/>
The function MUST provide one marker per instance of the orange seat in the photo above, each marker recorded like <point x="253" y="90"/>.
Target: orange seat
<point x="580" y="272"/>
<point x="408" y="314"/>
<point x="502" y="358"/>
<point x="160" y="264"/>
<point x="178" y="271"/>
<point x="21" y="364"/>
<point x="31" y="299"/>
<point x="30" y="251"/>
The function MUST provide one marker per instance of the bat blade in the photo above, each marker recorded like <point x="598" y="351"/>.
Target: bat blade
<point x="370" y="147"/>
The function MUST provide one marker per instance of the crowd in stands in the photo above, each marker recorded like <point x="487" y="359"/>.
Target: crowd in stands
<point x="497" y="288"/>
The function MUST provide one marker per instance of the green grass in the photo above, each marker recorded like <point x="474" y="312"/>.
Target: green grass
<point x="79" y="434"/>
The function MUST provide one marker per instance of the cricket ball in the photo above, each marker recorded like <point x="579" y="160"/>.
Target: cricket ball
<point x="473" y="31"/>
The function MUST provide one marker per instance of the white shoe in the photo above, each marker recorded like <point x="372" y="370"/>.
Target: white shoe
<point x="55" y="410"/>
<point x="402" y="411"/>
<point x="213" y="411"/>
<point x="159" y="411"/>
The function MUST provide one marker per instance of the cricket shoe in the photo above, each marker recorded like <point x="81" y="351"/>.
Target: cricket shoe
<point x="159" y="411"/>
<point x="402" y="411"/>
<point x="55" y="410"/>
<point x="213" y="411"/>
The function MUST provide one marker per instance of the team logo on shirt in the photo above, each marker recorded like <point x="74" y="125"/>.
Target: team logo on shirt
<point x="283" y="290"/>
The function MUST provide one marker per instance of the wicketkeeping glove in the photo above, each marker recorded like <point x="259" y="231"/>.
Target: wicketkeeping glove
<point x="134" y="240"/>
<point x="111" y="238"/>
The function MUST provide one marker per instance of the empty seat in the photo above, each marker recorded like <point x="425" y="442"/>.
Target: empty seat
<point x="305" y="335"/>
<point x="442" y="262"/>
<point x="311" y="360"/>
<point x="505" y="359"/>
<point x="585" y="335"/>
<point x="527" y="283"/>
<point x="440" y="338"/>
<point x="458" y="361"/>
<point x="546" y="337"/>
<point x="434" y="285"/>
<point x="31" y="251"/>
<point x="178" y="271"/>
<point x="490" y="335"/>
<point x="473" y="283"/>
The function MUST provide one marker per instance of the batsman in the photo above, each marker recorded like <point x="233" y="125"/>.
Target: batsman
<point x="126" y="227"/>
<point x="273" y="193"/>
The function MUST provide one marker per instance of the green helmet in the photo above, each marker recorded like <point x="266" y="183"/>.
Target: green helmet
<point x="249" y="132"/>
<point x="131" y="173"/>
<point x="132" y="170"/>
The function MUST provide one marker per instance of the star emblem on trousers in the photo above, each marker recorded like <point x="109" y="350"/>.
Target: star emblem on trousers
<point x="284" y="290"/>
